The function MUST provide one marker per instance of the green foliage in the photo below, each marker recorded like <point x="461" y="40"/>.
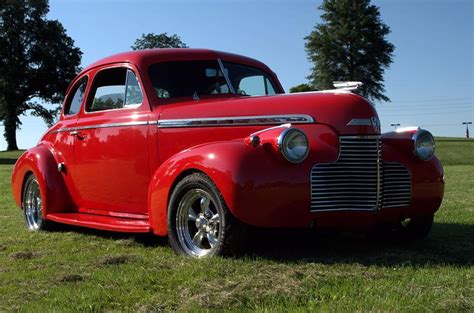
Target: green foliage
<point x="302" y="88"/>
<point x="151" y="40"/>
<point x="75" y="269"/>
<point x="350" y="45"/>
<point x="37" y="61"/>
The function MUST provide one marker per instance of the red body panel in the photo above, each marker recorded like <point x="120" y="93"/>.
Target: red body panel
<point x="120" y="167"/>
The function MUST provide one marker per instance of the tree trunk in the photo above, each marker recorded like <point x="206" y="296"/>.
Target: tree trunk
<point x="10" y="128"/>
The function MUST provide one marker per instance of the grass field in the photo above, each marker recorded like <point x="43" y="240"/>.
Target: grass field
<point x="74" y="269"/>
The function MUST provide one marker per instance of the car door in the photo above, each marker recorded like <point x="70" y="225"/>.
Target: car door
<point x="63" y="138"/>
<point x="111" y="152"/>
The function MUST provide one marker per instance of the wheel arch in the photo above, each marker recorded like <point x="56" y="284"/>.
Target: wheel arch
<point x="40" y="161"/>
<point x="219" y="161"/>
<point x="179" y="177"/>
<point x="23" y="184"/>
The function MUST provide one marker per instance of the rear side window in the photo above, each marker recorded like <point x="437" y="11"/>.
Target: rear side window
<point x="115" y="88"/>
<point x="78" y="92"/>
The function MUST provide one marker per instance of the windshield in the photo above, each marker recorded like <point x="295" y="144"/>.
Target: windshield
<point x="249" y="81"/>
<point x="197" y="78"/>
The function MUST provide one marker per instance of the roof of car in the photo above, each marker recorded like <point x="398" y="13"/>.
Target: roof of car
<point x="149" y="56"/>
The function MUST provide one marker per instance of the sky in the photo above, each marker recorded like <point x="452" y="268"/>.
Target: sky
<point x="430" y="81"/>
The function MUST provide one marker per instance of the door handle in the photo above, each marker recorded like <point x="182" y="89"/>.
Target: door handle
<point x="78" y="135"/>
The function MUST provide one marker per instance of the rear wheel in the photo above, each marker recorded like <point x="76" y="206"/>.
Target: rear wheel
<point x="33" y="205"/>
<point x="199" y="222"/>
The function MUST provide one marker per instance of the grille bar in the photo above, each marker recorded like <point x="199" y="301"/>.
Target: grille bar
<point x="350" y="183"/>
<point x="359" y="180"/>
<point x="396" y="185"/>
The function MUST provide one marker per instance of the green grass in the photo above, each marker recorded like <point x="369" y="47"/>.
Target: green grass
<point x="455" y="151"/>
<point x="74" y="269"/>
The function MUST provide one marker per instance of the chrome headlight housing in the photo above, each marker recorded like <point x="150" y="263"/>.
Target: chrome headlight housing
<point x="293" y="145"/>
<point x="423" y="145"/>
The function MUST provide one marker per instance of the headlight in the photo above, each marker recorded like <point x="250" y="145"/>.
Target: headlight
<point x="423" y="145"/>
<point x="293" y="145"/>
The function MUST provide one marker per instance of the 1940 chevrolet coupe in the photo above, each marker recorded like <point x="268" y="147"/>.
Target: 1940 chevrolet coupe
<point x="196" y="144"/>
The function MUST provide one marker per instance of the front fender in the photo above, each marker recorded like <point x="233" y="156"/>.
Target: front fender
<point x="217" y="160"/>
<point x="258" y="185"/>
<point x="41" y="162"/>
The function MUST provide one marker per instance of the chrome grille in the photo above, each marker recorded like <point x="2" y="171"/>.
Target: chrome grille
<point x="352" y="182"/>
<point x="396" y="185"/>
<point x="359" y="180"/>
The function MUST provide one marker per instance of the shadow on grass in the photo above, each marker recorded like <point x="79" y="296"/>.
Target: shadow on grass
<point x="447" y="244"/>
<point x="7" y="161"/>
<point x="146" y="240"/>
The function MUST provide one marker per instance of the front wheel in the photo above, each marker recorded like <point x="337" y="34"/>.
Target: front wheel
<point x="415" y="228"/>
<point x="404" y="231"/>
<point x="33" y="205"/>
<point x="199" y="222"/>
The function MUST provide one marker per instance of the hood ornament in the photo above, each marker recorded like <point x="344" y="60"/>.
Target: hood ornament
<point x="347" y="86"/>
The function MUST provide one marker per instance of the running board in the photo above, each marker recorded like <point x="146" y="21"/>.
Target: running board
<point x="110" y="223"/>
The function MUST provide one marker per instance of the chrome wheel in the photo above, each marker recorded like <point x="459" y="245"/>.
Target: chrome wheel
<point x="198" y="223"/>
<point x="32" y="204"/>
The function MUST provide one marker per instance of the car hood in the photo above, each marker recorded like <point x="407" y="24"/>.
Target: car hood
<point x="348" y="113"/>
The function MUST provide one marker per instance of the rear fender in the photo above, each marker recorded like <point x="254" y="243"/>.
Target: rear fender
<point x="41" y="162"/>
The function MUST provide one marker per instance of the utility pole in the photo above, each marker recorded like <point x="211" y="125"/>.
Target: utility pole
<point x="467" y="128"/>
<point x="395" y="125"/>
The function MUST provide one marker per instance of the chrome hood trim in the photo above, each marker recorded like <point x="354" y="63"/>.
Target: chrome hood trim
<point x="237" y="121"/>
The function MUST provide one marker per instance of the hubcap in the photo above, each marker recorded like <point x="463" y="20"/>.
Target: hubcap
<point x="32" y="205"/>
<point x="198" y="223"/>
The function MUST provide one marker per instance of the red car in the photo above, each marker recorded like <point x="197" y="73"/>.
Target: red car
<point x="197" y="144"/>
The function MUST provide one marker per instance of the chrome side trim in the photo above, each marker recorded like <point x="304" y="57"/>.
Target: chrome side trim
<point x="362" y="137"/>
<point x="66" y="129"/>
<point x="236" y="121"/>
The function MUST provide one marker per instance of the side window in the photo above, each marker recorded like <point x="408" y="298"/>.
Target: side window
<point x="258" y="85"/>
<point x="269" y="87"/>
<point x="133" y="93"/>
<point x="75" y="102"/>
<point x="115" y="88"/>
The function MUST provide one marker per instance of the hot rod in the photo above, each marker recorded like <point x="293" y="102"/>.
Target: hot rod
<point x="195" y="144"/>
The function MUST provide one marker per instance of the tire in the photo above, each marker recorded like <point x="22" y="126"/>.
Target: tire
<point x="199" y="222"/>
<point x="416" y="228"/>
<point x="405" y="231"/>
<point x="32" y="205"/>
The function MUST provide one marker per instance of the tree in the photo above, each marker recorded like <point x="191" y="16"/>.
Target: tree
<point x="150" y="41"/>
<point x="37" y="61"/>
<point x="350" y="45"/>
<point x="302" y="88"/>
